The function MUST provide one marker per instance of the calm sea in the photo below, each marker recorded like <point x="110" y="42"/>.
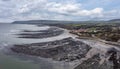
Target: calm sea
<point x="8" y="38"/>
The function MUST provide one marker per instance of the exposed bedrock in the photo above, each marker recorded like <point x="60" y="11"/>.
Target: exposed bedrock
<point x="102" y="60"/>
<point x="87" y="54"/>
<point x="40" y="33"/>
<point x="66" y="49"/>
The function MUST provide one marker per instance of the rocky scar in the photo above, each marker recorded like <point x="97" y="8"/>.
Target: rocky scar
<point x="40" y="33"/>
<point x="60" y="50"/>
<point x="112" y="61"/>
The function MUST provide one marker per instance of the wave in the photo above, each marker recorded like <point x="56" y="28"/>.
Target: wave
<point x="4" y="46"/>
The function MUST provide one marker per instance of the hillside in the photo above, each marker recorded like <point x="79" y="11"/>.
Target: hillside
<point x="43" y="21"/>
<point x="115" y="20"/>
<point x="56" y="22"/>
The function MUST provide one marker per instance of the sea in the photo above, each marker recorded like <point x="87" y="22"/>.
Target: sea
<point x="8" y="38"/>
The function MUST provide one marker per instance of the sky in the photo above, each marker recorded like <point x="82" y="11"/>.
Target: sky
<point x="73" y="10"/>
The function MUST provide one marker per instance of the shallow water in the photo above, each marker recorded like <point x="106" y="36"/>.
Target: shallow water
<point x="7" y="38"/>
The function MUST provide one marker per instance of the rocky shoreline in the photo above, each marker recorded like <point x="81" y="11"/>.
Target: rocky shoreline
<point x="90" y="54"/>
<point x="40" y="33"/>
<point x="60" y="50"/>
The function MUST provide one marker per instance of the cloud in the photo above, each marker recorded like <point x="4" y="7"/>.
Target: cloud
<point x="96" y="12"/>
<point x="62" y="8"/>
<point x="59" y="10"/>
<point x="73" y="9"/>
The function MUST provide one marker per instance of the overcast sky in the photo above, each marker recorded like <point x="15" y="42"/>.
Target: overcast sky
<point x="11" y="10"/>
